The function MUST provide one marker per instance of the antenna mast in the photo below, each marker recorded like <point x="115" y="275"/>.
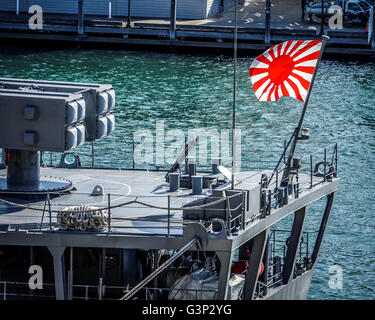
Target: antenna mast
<point x="298" y="129"/>
<point x="234" y="95"/>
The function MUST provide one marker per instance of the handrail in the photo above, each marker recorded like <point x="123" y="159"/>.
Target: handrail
<point x="99" y="289"/>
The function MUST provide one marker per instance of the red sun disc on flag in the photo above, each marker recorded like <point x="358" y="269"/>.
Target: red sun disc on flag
<point x="285" y="70"/>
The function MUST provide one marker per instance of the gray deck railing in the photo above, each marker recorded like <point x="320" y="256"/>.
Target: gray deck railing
<point x="322" y="167"/>
<point x="278" y="244"/>
<point x="11" y="290"/>
<point x="49" y="211"/>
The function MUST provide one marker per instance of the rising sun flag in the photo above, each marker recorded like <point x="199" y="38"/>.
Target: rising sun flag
<point x="285" y="69"/>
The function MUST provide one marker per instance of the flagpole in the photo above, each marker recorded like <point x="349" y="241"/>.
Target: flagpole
<point x="234" y="95"/>
<point x="298" y="129"/>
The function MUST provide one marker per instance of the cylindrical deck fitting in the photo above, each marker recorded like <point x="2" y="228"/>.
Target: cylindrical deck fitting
<point x="192" y="167"/>
<point x="215" y="163"/>
<point x="174" y="181"/>
<point x="197" y="182"/>
<point x="23" y="168"/>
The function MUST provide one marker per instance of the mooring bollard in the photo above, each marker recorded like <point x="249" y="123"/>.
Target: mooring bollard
<point x="174" y="181"/>
<point x="197" y="182"/>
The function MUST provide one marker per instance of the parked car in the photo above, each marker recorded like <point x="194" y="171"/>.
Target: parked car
<point x="355" y="11"/>
<point x="368" y="3"/>
<point x="315" y="9"/>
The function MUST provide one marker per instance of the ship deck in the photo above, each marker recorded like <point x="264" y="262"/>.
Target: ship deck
<point x="142" y="225"/>
<point x="123" y="186"/>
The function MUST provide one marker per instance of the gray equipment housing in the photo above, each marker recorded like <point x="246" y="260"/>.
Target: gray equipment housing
<point x="246" y="202"/>
<point x="48" y="116"/>
<point x="54" y="116"/>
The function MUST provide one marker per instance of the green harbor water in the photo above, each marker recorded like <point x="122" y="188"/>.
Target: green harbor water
<point x="195" y="91"/>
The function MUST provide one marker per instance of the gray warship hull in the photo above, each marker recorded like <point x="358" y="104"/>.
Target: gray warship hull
<point x="146" y="218"/>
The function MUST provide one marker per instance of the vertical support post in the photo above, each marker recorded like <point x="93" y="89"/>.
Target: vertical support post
<point x="4" y="290"/>
<point x="18" y="7"/>
<point x="68" y="291"/>
<point x="311" y="171"/>
<point x="277" y="178"/>
<point x="58" y="267"/>
<point x="266" y="265"/>
<point x="322" y="20"/>
<point x="109" y="212"/>
<point x="169" y="214"/>
<point x="128" y="25"/>
<point x="50" y="212"/>
<point x="225" y="258"/>
<point x="100" y="288"/>
<point x="243" y="211"/>
<point x="307" y="245"/>
<point x="186" y="155"/>
<point x="335" y="175"/>
<point x="70" y="278"/>
<point x="234" y="93"/>
<point x="81" y="18"/>
<point x="92" y="154"/>
<point x="323" y="226"/>
<point x="372" y="26"/>
<point x="104" y="253"/>
<point x="325" y="164"/>
<point x="23" y="167"/>
<point x="133" y="148"/>
<point x="41" y="158"/>
<point x="293" y="245"/>
<point x="109" y="10"/>
<point x="31" y="255"/>
<point x="229" y="216"/>
<point x="269" y="202"/>
<point x="267" y="35"/>
<point x="255" y="262"/>
<point x="172" y="33"/>
<point x="297" y="184"/>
